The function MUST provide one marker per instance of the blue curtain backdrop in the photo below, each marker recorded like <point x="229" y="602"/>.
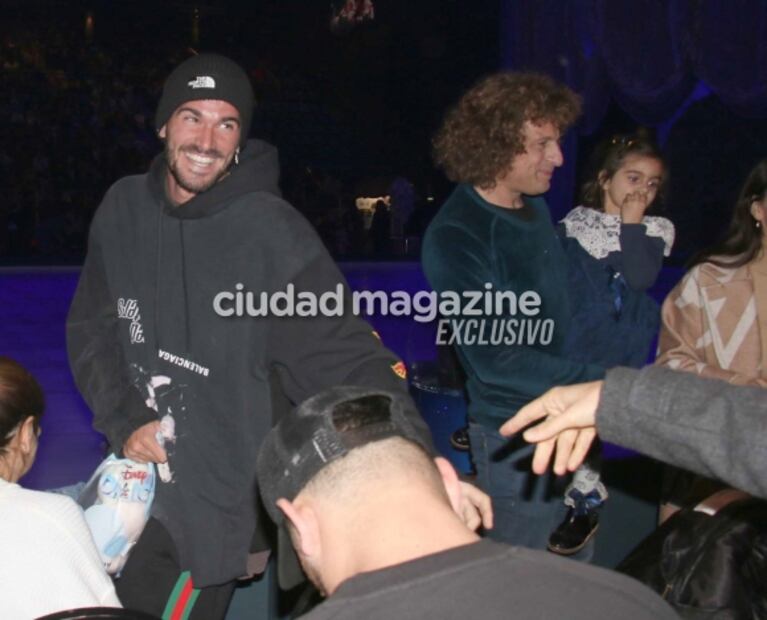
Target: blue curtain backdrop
<point x="651" y="57"/>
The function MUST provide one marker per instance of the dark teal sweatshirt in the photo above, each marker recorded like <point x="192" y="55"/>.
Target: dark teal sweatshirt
<point x="470" y="243"/>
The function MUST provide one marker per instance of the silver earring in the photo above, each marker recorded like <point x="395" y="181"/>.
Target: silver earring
<point x="237" y="157"/>
<point x="758" y="224"/>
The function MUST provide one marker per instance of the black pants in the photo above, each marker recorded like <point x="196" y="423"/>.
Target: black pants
<point x="152" y="581"/>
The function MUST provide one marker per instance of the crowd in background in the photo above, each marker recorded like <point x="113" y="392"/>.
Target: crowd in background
<point x="76" y="118"/>
<point x="79" y="115"/>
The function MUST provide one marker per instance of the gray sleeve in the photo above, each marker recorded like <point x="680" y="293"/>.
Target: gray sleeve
<point x="707" y="426"/>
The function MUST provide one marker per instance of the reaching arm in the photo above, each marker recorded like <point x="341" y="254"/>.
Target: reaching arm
<point x="702" y="425"/>
<point x="568" y="429"/>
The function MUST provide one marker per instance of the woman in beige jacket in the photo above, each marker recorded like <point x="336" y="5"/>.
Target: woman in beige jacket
<point x="715" y="319"/>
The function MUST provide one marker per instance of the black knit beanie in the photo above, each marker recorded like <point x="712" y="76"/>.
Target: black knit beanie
<point x="207" y="76"/>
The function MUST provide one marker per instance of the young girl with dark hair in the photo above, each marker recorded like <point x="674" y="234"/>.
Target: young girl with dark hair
<point x="616" y="251"/>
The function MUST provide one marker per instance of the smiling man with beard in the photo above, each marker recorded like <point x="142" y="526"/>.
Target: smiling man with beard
<point x="146" y="344"/>
<point x="200" y="146"/>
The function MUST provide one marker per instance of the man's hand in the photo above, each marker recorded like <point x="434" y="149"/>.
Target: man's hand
<point x="476" y="508"/>
<point x="569" y="428"/>
<point x="142" y="445"/>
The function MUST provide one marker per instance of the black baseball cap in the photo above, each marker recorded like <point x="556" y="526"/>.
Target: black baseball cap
<point x="318" y="432"/>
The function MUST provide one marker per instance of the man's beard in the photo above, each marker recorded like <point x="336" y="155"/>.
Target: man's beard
<point x="194" y="185"/>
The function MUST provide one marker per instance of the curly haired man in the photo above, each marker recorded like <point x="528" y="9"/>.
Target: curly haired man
<point x="500" y="144"/>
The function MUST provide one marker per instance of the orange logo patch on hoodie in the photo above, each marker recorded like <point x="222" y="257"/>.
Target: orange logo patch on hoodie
<point x="400" y="370"/>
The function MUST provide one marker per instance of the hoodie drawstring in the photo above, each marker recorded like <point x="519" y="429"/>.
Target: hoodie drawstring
<point x="157" y="280"/>
<point x="184" y="286"/>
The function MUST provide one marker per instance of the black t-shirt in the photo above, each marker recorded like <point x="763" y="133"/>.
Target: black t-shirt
<point x="492" y="580"/>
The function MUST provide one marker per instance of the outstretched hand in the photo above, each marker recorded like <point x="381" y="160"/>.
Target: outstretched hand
<point x="569" y="428"/>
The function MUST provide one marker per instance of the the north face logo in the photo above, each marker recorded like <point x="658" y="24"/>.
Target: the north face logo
<point x="202" y="81"/>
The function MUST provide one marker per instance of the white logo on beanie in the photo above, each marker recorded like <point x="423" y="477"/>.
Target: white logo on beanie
<point x="202" y="81"/>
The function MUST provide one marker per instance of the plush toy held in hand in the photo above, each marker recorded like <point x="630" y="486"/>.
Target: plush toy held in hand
<point x="117" y="501"/>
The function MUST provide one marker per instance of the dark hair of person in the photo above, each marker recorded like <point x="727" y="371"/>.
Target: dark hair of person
<point x="483" y="132"/>
<point x="743" y="240"/>
<point x="20" y="397"/>
<point x="610" y="156"/>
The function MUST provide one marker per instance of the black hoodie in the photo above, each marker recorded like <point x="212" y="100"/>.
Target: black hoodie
<point x="142" y="332"/>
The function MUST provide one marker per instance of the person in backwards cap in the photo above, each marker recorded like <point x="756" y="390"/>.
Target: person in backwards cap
<point x="347" y="477"/>
<point x="161" y="347"/>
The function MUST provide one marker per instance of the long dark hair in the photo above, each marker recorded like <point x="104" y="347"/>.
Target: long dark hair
<point x="20" y="397"/>
<point x="743" y="240"/>
<point x="609" y="157"/>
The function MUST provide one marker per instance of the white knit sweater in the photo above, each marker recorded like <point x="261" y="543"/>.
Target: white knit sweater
<point x="48" y="561"/>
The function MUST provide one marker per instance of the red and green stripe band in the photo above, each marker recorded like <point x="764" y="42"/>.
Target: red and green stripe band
<point x="182" y="599"/>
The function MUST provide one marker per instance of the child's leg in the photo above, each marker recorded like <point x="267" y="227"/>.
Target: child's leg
<point x="586" y="491"/>
<point x="584" y="496"/>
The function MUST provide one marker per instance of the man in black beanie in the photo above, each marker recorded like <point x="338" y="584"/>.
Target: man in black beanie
<point x="174" y="373"/>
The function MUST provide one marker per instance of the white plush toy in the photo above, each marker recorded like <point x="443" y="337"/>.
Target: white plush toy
<point x="116" y="501"/>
